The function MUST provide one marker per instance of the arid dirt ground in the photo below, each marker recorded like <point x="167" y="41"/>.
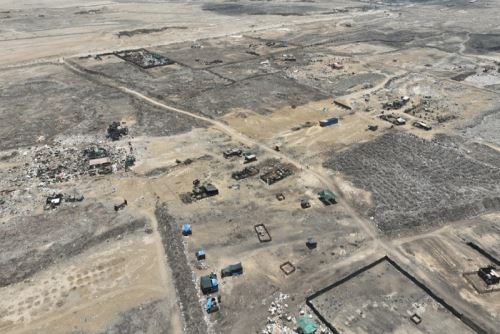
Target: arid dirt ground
<point x="203" y="77"/>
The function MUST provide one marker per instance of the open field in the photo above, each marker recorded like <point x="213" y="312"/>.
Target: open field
<point x="118" y="118"/>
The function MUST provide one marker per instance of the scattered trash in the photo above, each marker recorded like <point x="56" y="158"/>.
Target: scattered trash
<point x="422" y="125"/>
<point x="60" y="163"/>
<point x="196" y="45"/>
<point x="280" y="44"/>
<point x="253" y="53"/>
<point x="280" y="196"/>
<point x="336" y="66"/>
<point x="53" y="201"/>
<point x="121" y="206"/>
<point x="311" y="243"/>
<point x="304" y="204"/>
<point x="213" y="62"/>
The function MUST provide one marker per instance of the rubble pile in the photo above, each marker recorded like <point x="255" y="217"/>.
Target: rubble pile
<point x="279" y="319"/>
<point x="396" y="104"/>
<point x="116" y="131"/>
<point x="54" y="200"/>
<point x="52" y="164"/>
<point x="282" y="321"/>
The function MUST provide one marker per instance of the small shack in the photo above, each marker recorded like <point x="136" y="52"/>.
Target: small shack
<point x="327" y="197"/>
<point x="249" y="157"/>
<point x="209" y="284"/>
<point x="232" y="270"/>
<point x="200" y="254"/>
<point x="186" y="230"/>
<point x="211" y="190"/>
<point x="311" y="243"/>
<point x="306" y="325"/>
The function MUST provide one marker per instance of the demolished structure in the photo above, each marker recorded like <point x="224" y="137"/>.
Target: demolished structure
<point x="396" y="104"/>
<point x="275" y="174"/>
<point x="245" y="173"/>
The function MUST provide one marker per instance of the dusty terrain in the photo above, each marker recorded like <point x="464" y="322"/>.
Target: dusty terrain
<point x="189" y="80"/>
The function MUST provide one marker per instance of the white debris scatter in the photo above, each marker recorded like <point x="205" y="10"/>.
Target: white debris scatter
<point x="282" y="320"/>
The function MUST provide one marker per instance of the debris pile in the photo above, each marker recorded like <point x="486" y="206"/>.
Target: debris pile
<point x="288" y="57"/>
<point x="422" y="125"/>
<point x="200" y="191"/>
<point x="396" y="104"/>
<point x="54" y="200"/>
<point x="232" y="152"/>
<point x="57" y="163"/>
<point x="336" y="66"/>
<point x="279" y="319"/>
<point x="275" y="173"/>
<point x="245" y="173"/>
<point x="393" y="118"/>
<point x="116" y="131"/>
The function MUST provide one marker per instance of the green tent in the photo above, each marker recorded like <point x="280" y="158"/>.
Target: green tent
<point x="307" y="325"/>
